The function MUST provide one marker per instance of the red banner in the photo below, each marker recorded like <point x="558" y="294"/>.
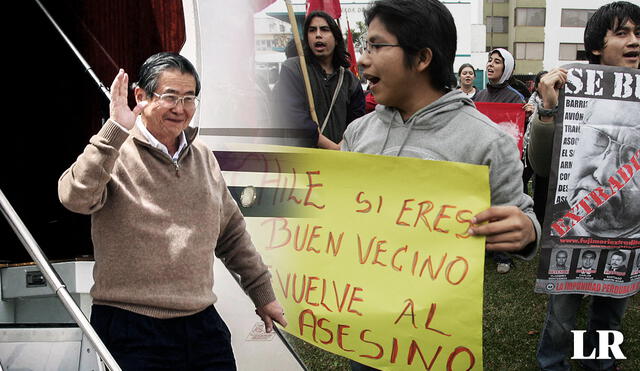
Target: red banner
<point x="352" y="52"/>
<point x="331" y="7"/>
<point x="509" y="116"/>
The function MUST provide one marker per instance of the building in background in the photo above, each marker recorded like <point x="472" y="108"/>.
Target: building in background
<point x="564" y="30"/>
<point x="540" y="34"/>
<point x="271" y="37"/>
<point x="519" y="27"/>
<point x="271" y="34"/>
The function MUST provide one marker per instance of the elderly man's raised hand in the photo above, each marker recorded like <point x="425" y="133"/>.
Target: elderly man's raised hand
<point x="119" y="110"/>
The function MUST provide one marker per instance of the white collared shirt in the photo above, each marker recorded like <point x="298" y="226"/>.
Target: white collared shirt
<point x="155" y="143"/>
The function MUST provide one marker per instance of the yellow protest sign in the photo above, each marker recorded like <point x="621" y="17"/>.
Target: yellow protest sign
<point x="380" y="268"/>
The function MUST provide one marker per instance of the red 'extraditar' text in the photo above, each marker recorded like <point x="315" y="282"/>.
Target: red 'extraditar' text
<point x="597" y="197"/>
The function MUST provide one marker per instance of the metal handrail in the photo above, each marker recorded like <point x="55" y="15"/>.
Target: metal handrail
<point x="55" y="282"/>
<point x="86" y="65"/>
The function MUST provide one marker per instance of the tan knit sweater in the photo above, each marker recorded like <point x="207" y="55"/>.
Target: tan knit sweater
<point x="155" y="225"/>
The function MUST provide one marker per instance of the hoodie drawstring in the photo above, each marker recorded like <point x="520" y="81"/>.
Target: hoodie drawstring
<point x="386" y="138"/>
<point x="404" y="141"/>
<point x="406" y="137"/>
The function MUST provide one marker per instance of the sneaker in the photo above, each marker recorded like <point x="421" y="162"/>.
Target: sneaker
<point x="503" y="268"/>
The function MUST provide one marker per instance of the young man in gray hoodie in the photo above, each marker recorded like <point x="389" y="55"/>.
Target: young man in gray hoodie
<point x="410" y="50"/>
<point x="409" y="62"/>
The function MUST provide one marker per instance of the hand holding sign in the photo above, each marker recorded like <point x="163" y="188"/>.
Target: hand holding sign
<point x="528" y="108"/>
<point x="550" y="86"/>
<point x="507" y="228"/>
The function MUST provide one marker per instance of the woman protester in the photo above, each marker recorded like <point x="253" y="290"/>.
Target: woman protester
<point x="467" y="74"/>
<point x="500" y="68"/>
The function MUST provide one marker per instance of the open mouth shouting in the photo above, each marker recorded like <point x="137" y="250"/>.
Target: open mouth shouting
<point x="373" y="80"/>
<point x="634" y="55"/>
<point x="319" y="46"/>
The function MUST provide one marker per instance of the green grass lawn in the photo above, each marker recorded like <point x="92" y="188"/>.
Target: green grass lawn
<point x="513" y="317"/>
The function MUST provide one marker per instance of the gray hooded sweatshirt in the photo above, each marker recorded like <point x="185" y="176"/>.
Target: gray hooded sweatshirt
<point x="449" y="129"/>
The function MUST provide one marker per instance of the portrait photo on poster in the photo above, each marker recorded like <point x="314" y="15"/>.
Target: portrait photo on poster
<point x="560" y="261"/>
<point x="609" y="139"/>
<point x="616" y="263"/>
<point x="588" y="262"/>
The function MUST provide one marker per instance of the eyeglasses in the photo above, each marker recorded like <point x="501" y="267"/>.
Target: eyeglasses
<point x="169" y="100"/>
<point x="601" y="143"/>
<point x="372" y="48"/>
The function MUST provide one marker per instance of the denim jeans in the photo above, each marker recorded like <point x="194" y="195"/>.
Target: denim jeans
<point x="198" y="342"/>
<point x="556" y="340"/>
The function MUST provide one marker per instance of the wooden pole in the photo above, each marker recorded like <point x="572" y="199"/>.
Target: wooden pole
<point x="303" y="62"/>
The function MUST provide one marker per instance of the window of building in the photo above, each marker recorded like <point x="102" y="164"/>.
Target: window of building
<point x="498" y="24"/>
<point x="531" y="51"/>
<point x="575" y="17"/>
<point x="263" y="45"/>
<point x="489" y="48"/>
<point x="572" y="52"/>
<point x="530" y="16"/>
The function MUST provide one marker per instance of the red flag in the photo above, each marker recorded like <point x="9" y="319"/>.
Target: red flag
<point x="509" y="116"/>
<point x="331" y="7"/>
<point x="352" y="52"/>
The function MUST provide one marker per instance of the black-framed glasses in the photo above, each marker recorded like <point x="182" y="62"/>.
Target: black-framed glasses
<point x="169" y="100"/>
<point x="601" y="144"/>
<point x="372" y="48"/>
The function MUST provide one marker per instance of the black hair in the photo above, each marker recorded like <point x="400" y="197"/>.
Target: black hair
<point x="619" y="253"/>
<point x="539" y="76"/>
<point x="421" y="24"/>
<point x="608" y="17"/>
<point x="156" y="64"/>
<point x="465" y="66"/>
<point x="340" y="55"/>
<point x="589" y="252"/>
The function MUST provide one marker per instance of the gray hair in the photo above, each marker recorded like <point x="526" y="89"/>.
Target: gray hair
<point x="156" y="64"/>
